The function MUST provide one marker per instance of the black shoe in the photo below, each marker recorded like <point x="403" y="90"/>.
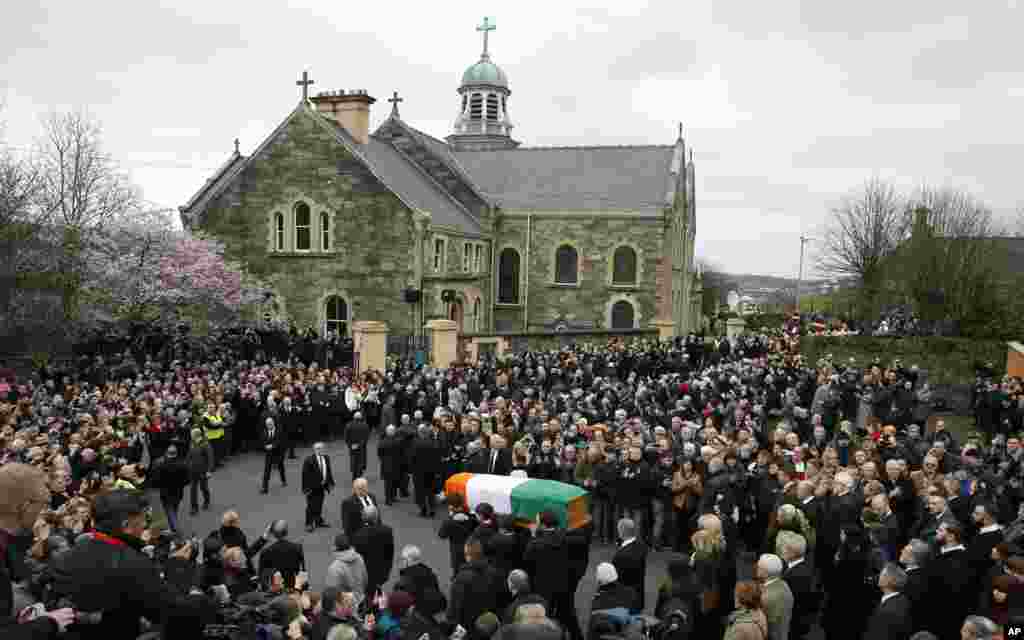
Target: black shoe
<point x="284" y="484"/>
<point x="323" y="524"/>
<point x="263" y="491"/>
<point x="206" y="507"/>
<point x="388" y="503"/>
<point x="193" y="512"/>
<point x="309" y="528"/>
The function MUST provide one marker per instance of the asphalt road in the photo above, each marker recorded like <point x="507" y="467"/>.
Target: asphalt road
<point x="236" y="486"/>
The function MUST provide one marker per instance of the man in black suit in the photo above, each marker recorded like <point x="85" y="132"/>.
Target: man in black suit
<point x="376" y="543"/>
<point x="426" y="465"/>
<point x="799" y="575"/>
<point x="949" y="578"/>
<point x="317" y="481"/>
<point x="891" y="620"/>
<point x="914" y="557"/>
<point x="630" y="560"/>
<point x="389" y="453"/>
<point x="979" y="551"/>
<point x="499" y="458"/>
<point x="353" y="506"/>
<point x="273" y="451"/>
<point x="357" y="435"/>
<point x="283" y="555"/>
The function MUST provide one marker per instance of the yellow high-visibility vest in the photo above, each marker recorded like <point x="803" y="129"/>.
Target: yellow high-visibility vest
<point x="215" y="431"/>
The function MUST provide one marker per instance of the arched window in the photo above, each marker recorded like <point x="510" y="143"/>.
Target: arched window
<point x="624" y="265"/>
<point x="476" y="315"/>
<point x="336" y="315"/>
<point x="566" y="263"/>
<point x="303" y="241"/>
<point x="508" y="276"/>
<point x="325" y="231"/>
<point x="278" y="232"/>
<point x="622" y="315"/>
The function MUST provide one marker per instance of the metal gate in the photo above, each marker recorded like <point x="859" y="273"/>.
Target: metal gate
<point x="410" y="347"/>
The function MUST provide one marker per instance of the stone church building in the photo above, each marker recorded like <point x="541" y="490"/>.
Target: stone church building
<point x="399" y="226"/>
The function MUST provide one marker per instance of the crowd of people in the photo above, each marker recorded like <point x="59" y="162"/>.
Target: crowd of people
<point x="856" y="512"/>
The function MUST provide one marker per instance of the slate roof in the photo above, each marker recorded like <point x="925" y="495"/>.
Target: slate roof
<point x="402" y="176"/>
<point x="631" y="178"/>
<point x="399" y="174"/>
<point x="220" y="179"/>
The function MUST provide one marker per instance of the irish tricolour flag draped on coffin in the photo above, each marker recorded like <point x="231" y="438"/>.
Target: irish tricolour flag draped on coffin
<point x="524" y="498"/>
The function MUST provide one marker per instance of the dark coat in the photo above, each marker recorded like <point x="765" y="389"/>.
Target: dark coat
<point x="352" y="513"/>
<point x="949" y="577"/>
<point x="805" y="598"/>
<point x="631" y="564"/>
<point x="507" y="550"/>
<point x="171" y="476"/>
<point x="615" y="595"/>
<point x="283" y="555"/>
<point x="547" y="559"/>
<point x="276" y="442"/>
<point x="389" y="452"/>
<point x="112" y="575"/>
<point x="417" y="579"/>
<point x="357" y="435"/>
<point x="426" y="456"/>
<point x="9" y="628"/>
<point x="376" y="543"/>
<point x="891" y="620"/>
<point x="311" y="475"/>
<point x="456" y="530"/>
<point x="476" y="588"/>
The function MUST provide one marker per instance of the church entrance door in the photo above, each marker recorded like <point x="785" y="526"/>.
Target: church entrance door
<point x="456" y="312"/>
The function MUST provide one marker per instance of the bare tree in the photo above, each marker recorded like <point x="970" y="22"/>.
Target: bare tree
<point x="861" y="234"/>
<point x="80" y="192"/>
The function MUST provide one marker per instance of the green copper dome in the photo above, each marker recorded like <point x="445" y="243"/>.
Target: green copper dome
<point x="485" y="72"/>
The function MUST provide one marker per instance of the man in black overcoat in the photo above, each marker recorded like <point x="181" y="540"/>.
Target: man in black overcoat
<point x="317" y="482"/>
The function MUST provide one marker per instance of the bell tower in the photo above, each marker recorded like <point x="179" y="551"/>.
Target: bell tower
<point x="483" y="122"/>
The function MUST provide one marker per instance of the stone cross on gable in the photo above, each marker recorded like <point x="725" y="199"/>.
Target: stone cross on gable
<point x="304" y="83"/>
<point x="394" y="100"/>
<point x="486" y="27"/>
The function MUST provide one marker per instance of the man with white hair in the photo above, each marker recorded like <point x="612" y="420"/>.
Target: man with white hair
<point x="390" y="454"/>
<point x="317" y="481"/>
<point x="612" y="594"/>
<point x="978" y="628"/>
<point x="776" y="599"/>
<point x="799" y="576"/>
<point x="892" y="619"/>
<point x="630" y="560"/>
<point x="414" y="577"/>
<point x="357" y="435"/>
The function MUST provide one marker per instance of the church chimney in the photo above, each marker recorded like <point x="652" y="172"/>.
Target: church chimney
<point x="350" y="109"/>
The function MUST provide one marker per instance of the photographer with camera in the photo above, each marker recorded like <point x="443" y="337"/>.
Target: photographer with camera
<point x="110" y="577"/>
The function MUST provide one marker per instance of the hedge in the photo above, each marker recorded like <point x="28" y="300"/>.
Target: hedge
<point x="947" y="360"/>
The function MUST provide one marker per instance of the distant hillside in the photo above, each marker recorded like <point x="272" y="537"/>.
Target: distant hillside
<point x="749" y="281"/>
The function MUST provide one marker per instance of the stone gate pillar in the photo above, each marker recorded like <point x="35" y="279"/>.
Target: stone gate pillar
<point x="371" y="344"/>
<point x="666" y="329"/>
<point x="444" y="342"/>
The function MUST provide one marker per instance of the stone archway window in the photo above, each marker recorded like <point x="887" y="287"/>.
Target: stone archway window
<point x="303" y="232"/>
<point x="566" y="265"/>
<point x="624" y="265"/>
<point x="325" y="231"/>
<point x="623" y="315"/>
<point x="279" y="232"/>
<point x="336" y="315"/>
<point x="508" y="276"/>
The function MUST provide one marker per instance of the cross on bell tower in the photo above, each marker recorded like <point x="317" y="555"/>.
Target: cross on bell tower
<point x="486" y="28"/>
<point x="394" y="100"/>
<point x="304" y="83"/>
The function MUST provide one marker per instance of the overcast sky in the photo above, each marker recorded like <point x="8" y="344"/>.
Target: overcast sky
<point x="787" y="105"/>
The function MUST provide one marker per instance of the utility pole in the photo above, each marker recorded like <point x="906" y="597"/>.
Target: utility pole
<point x="800" y="275"/>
